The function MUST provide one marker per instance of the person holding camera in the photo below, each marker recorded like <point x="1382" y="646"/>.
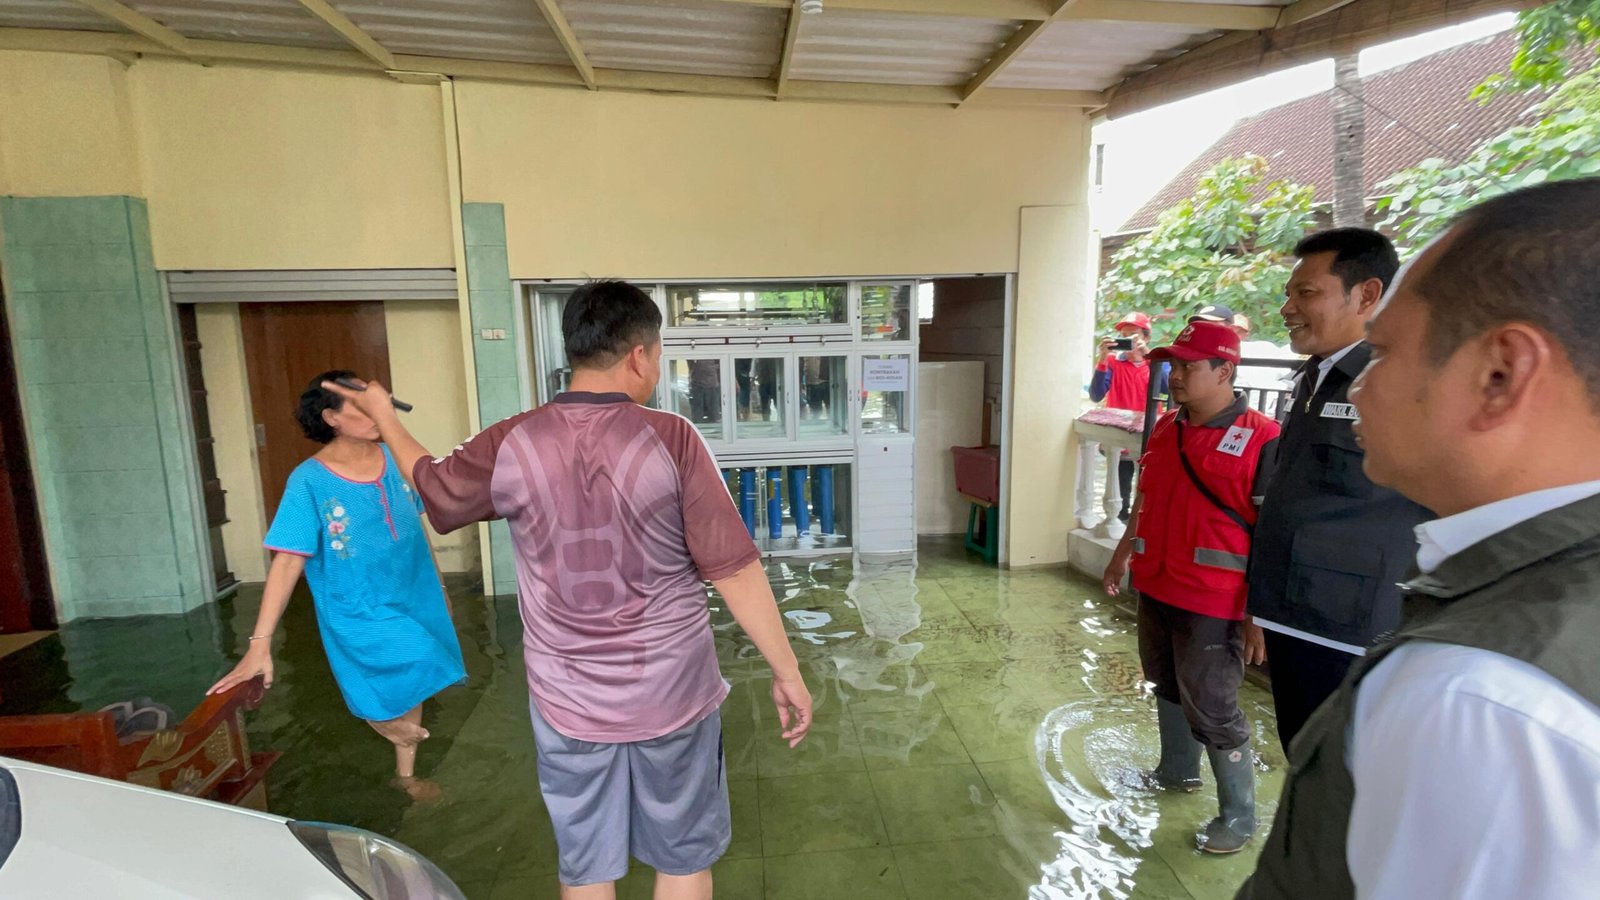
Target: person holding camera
<point x="1122" y="380"/>
<point x="1187" y="543"/>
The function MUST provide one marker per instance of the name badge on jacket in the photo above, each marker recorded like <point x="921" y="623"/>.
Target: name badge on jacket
<point x="1339" y="411"/>
<point x="1234" y="442"/>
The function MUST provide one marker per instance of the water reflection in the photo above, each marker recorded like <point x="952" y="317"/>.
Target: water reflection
<point x="978" y="734"/>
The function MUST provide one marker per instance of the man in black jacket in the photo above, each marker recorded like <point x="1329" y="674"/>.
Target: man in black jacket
<point x="1330" y="546"/>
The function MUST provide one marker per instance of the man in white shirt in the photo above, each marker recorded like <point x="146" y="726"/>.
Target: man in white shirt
<point x="1462" y="758"/>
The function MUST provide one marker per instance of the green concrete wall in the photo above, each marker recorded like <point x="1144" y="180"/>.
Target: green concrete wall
<point x="98" y="369"/>
<point x="493" y="303"/>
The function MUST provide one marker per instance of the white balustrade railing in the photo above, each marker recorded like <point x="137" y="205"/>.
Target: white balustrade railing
<point x="1103" y="436"/>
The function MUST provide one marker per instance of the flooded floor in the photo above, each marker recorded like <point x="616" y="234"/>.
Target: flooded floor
<point x="977" y="736"/>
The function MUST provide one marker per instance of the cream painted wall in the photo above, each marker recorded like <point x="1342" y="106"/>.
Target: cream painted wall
<point x="228" y="403"/>
<point x="1054" y="323"/>
<point x="635" y="185"/>
<point x="273" y="169"/>
<point x="66" y="127"/>
<point x="425" y="364"/>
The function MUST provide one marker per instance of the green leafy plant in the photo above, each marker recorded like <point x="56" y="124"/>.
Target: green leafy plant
<point x="1218" y="246"/>
<point x="1553" y="40"/>
<point x="1419" y="202"/>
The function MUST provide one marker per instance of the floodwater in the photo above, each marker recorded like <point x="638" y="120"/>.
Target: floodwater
<point x="978" y="735"/>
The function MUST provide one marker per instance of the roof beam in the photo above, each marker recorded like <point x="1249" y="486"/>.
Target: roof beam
<point x="569" y="40"/>
<point x="351" y="32"/>
<point x="1220" y="16"/>
<point x="1018" y="42"/>
<point x="790" y="38"/>
<point x="1020" y="10"/>
<point x="141" y="24"/>
<point x="1301" y="10"/>
<point x="1308" y="30"/>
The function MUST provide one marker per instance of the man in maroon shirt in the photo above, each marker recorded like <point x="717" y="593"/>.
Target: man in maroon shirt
<point x="618" y="515"/>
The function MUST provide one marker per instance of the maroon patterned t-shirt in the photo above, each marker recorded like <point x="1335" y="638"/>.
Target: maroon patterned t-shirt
<point x="618" y="514"/>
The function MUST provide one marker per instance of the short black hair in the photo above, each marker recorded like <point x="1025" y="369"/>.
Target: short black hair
<point x="314" y="400"/>
<point x="604" y="320"/>
<point x="1217" y="363"/>
<point x="1359" y="254"/>
<point x="1529" y="256"/>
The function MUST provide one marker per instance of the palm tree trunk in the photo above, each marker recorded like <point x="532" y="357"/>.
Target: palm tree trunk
<point x="1349" y="142"/>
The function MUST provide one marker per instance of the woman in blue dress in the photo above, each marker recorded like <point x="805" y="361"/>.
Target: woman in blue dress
<point x="350" y="522"/>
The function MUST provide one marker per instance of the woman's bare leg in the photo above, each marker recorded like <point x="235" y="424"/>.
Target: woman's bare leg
<point x="405" y="753"/>
<point x="406" y="731"/>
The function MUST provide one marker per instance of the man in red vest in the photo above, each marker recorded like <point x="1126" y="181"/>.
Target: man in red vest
<point x="1187" y="542"/>
<point x="1122" y="380"/>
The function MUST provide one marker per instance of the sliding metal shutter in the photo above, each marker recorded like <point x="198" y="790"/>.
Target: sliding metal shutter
<point x="311" y="284"/>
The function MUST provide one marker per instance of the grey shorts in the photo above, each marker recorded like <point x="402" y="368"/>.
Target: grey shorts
<point x="663" y="801"/>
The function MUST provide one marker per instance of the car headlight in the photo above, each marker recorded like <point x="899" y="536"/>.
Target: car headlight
<point x="374" y="866"/>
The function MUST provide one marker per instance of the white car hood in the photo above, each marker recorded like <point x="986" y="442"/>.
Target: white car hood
<point x="90" y="837"/>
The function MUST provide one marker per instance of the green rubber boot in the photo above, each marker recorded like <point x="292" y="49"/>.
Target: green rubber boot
<point x="1179" y="769"/>
<point x="1236" y="798"/>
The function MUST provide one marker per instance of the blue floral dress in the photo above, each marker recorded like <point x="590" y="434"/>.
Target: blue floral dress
<point x="379" y="603"/>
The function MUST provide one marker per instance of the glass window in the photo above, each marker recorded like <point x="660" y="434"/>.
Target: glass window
<point x="696" y="394"/>
<point x="824" y="396"/>
<point x="885" y="385"/>
<point x="761" y="399"/>
<point x="550" y="357"/>
<point x="886" y="312"/>
<point x="744" y="305"/>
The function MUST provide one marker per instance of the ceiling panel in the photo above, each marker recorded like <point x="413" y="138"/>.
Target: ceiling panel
<point x="1093" y="55"/>
<point x="895" y="49"/>
<point x="506" y="30"/>
<point x="698" y="38"/>
<point x="61" y="14"/>
<point x="256" y="21"/>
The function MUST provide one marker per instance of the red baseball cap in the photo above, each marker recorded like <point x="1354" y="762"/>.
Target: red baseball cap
<point x="1134" y="320"/>
<point x="1202" y="340"/>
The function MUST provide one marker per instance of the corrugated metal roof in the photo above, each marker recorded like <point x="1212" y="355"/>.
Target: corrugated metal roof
<point x="697" y="38"/>
<point x="895" y="49"/>
<point x="736" y="38"/>
<point x="1090" y="55"/>
<point x="258" y="21"/>
<point x="507" y="30"/>
<point x="51" y="14"/>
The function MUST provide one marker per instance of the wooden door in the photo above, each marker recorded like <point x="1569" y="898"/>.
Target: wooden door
<point x="285" y="346"/>
<point x="25" y="599"/>
<point x="215" y="498"/>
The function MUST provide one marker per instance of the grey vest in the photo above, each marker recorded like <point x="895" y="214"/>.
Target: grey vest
<point x="1531" y="592"/>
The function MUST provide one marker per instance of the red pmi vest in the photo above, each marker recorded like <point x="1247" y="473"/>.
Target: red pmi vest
<point x="1187" y="552"/>
<point x="1130" y="383"/>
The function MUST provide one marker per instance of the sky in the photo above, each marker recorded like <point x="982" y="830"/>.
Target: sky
<point x="1145" y="150"/>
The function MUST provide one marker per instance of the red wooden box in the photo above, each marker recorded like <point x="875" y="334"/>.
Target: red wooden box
<point x="978" y="472"/>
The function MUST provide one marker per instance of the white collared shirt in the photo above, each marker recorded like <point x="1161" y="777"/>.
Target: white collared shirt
<point x="1477" y="775"/>
<point x="1327" y="364"/>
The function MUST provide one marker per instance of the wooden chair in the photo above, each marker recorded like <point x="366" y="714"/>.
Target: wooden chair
<point x="207" y="755"/>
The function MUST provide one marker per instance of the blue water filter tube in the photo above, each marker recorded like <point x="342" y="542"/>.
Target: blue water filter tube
<point x="774" y="502"/>
<point x="825" y="499"/>
<point x="747" y="499"/>
<point x="797" y="499"/>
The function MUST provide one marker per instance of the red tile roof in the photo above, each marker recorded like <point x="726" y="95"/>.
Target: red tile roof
<point x="1429" y="98"/>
